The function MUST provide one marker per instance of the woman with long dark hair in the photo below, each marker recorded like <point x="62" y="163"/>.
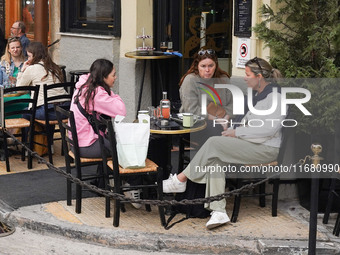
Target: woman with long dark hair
<point x="93" y="92"/>
<point x="39" y="69"/>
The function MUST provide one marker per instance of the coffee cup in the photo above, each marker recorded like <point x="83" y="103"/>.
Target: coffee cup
<point x="189" y="119"/>
<point x="143" y="116"/>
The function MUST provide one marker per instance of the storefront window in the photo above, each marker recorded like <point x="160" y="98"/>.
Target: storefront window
<point x="28" y="15"/>
<point x="91" y="16"/>
<point x="209" y="27"/>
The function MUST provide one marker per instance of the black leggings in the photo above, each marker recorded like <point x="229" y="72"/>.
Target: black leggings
<point x="94" y="150"/>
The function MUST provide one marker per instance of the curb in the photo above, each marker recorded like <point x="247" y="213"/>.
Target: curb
<point x="35" y="219"/>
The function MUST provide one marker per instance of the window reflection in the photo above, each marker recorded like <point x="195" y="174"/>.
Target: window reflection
<point x="28" y="15"/>
<point x="95" y="10"/>
<point x="209" y="27"/>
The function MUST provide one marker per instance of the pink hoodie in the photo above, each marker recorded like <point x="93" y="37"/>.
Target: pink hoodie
<point x="104" y="103"/>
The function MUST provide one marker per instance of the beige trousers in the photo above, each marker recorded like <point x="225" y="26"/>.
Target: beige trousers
<point x="220" y="151"/>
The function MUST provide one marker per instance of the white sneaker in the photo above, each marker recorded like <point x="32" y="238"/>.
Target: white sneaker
<point x="173" y="185"/>
<point x="133" y="194"/>
<point x="217" y="219"/>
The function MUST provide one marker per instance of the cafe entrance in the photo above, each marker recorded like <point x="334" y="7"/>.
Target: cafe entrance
<point x="207" y="24"/>
<point x="194" y="24"/>
<point x="190" y="25"/>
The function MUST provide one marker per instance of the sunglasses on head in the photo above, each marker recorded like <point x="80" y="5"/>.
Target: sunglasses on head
<point x="256" y="60"/>
<point x="209" y="52"/>
<point x="12" y="39"/>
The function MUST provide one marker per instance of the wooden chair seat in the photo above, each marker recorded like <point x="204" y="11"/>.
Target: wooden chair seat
<point x="51" y="122"/>
<point x="85" y="160"/>
<point x="150" y="166"/>
<point x="17" y="123"/>
<point x="17" y="106"/>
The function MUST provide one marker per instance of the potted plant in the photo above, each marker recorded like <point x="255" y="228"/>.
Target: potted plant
<point x="304" y="38"/>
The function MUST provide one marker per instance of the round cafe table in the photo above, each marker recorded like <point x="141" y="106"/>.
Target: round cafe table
<point x="178" y="130"/>
<point x="149" y="57"/>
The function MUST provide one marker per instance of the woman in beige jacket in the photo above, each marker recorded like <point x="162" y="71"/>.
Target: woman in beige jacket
<point x="39" y="69"/>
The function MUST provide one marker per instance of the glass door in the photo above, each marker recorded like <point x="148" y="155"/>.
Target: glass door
<point x="207" y="24"/>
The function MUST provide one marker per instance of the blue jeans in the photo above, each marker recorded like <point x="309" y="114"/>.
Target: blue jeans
<point x="40" y="114"/>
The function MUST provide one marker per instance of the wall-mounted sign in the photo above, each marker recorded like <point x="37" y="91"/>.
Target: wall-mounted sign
<point x="242" y="22"/>
<point x="243" y="52"/>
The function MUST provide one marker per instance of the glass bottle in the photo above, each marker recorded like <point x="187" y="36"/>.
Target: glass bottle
<point x="165" y="106"/>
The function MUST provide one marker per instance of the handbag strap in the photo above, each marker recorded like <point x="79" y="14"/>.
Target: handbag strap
<point x="82" y="110"/>
<point x="88" y="117"/>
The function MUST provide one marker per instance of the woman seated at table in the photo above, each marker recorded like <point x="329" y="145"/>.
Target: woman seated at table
<point x="93" y="92"/>
<point x="39" y="69"/>
<point x="237" y="145"/>
<point x="10" y="65"/>
<point x="11" y="62"/>
<point x="199" y="80"/>
<point x="201" y="77"/>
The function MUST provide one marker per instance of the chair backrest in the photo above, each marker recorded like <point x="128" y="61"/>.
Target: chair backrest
<point x="17" y="107"/>
<point x="105" y="123"/>
<point x="68" y="133"/>
<point x="287" y="153"/>
<point x="67" y="87"/>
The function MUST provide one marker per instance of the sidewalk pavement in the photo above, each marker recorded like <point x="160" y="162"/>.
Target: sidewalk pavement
<point x="255" y="232"/>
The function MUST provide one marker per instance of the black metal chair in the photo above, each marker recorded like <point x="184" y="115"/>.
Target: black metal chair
<point x="288" y="134"/>
<point x="70" y="140"/>
<point x="112" y="169"/>
<point x="49" y="102"/>
<point x="334" y="191"/>
<point x="14" y="119"/>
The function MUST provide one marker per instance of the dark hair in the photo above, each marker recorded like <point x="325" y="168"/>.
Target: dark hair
<point x="261" y="66"/>
<point x="201" y="55"/>
<point x="21" y="26"/>
<point x="39" y="52"/>
<point x="99" y="70"/>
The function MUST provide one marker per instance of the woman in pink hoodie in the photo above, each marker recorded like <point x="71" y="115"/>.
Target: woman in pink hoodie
<point x="93" y="91"/>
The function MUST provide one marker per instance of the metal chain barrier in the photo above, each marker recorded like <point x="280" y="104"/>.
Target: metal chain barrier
<point x="118" y="196"/>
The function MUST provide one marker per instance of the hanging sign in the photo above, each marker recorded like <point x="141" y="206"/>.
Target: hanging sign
<point x="242" y="21"/>
<point x="243" y="52"/>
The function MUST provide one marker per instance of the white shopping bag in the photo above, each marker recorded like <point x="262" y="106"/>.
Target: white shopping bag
<point x="132" y="142"/>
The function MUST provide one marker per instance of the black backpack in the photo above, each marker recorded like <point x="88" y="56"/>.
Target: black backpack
<point x="193" y="190"/>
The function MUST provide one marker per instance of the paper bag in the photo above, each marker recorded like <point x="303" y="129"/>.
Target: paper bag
<point x="132" y="143"/>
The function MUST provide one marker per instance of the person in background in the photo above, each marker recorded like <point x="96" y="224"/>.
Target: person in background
<point x="39" y="69"/>
<point x="237" y="145"/>
<point x="18" y="29"/>
<point x="11" y="62"/>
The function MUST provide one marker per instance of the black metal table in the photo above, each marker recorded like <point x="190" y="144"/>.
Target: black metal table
<point x="134" y="55"/>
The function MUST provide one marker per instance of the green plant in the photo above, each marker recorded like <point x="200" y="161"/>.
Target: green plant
<point x="304" y="37"/>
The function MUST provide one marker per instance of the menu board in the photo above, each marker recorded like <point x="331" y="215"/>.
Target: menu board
<point x="242" y="22"/>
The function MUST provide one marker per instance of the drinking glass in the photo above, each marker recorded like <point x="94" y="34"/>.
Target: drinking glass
<point x="164" y="46"/>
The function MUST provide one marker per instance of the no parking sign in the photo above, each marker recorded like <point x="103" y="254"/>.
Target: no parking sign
<point x="243" y="52"/>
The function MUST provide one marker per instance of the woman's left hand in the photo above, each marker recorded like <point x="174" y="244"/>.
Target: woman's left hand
<point x="229" y="132"/>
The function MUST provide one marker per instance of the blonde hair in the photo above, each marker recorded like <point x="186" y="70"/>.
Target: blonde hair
<point x="7" y="56"/>
<point x="261" y="66"/>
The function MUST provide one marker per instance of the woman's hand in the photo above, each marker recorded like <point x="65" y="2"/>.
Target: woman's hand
<point x="25" y="65"/>
<point x="229" y="132"/>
